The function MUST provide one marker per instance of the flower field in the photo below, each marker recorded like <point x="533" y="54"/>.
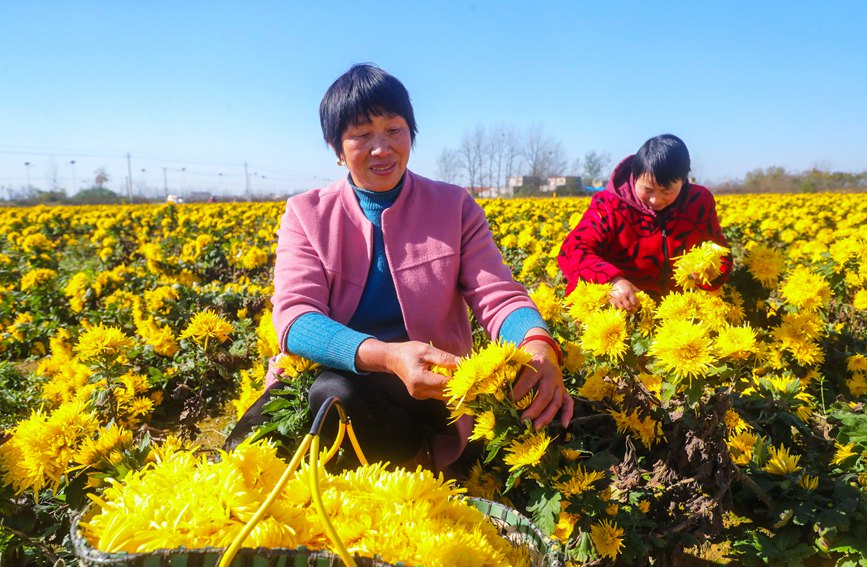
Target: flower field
<point x="728" y="426"/>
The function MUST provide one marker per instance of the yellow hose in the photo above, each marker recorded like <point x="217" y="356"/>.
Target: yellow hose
<point x="232" y="550"/>
<point x="320" y="507"/>
<point x="311" y="443"/>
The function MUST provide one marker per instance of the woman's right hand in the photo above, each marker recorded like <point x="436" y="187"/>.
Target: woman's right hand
<point x="624" y="295"/>
<point x="411" y="362"/>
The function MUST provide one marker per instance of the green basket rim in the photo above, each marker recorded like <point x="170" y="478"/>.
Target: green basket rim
<point x="548" y="548"/>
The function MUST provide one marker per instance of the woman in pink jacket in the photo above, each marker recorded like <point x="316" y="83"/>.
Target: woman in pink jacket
<point x="373" y="277"/>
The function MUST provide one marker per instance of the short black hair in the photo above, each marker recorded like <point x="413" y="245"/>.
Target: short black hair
<point x="665" y="158"/>
<point x="362" y="92"/>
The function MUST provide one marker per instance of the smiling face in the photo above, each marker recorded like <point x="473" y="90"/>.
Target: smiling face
<point x="377" y="151"/>
<point x="654" y="195"/>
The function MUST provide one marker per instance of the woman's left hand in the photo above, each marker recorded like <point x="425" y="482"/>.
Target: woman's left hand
<point x="545" y="376"/>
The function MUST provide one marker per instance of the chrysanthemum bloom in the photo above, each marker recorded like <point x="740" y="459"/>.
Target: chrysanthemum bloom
<point x="266" y="336"/>
<point x="797" y="334"/>
<point x="607" y="538"/>
<point x="565" y="524"/>
<point x="843" y="452"/>
<point x="550" y="306"/>
<point x="645" y="428"/>
<point x="808" y="482"/>
<point x="94" y="451"/>
<point x="736" y="342"/>
<point x="37" y="278"/>
<point x="160" y="337"/>
<point x="158" y="300"/>
<point x="481" y="483"/>
<point x="781" y="462"/>
<point x="485" y="372"/>
<point x="859" y="301"/>
<point x="805" y="289"/>
<point x="596" y="388"/>
<point x="41" y="446"/>
<point x="250" y="388"/>
<point x="606" y="333"/>
<point x="207" y="325"/>
<point x="586" y="298"/>
<point x="700" y="265"/>
<point x="573" y="357"/>
<point x="741" y="447"/>
<point x="766" y="265"/>
<point x="101" y="342"/>
<point x="293" y="365"/>
<point x="76" y="290"/>
<point x="683" y="348"/>
<point x="527" y="450"/>
<point x="734" y="423"/>
<point x="857" y="384"/>
<point x="484" y="426"/>
<point x="857" y="363"/>
<point x="577" y="480"/>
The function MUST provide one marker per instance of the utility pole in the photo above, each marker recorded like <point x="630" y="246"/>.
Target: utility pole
<point x="247" y="178"/>
<point x="165" y="183"/>
<point x="129" y="179"/>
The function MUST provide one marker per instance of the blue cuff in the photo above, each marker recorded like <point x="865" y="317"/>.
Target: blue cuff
<point x="518" y="322"/>
<point x="319" y="338"/>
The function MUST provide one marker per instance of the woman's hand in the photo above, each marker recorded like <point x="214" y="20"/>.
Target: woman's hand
<point x="623" y="295"/>
<point x="545" y="376"/>
<point x="411" y="362"/>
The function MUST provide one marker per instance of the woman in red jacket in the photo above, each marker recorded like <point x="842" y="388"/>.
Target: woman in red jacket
<point x="648" y="214"/>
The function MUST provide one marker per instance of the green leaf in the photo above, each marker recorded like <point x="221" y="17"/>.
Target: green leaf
<point x="544" y="504"/>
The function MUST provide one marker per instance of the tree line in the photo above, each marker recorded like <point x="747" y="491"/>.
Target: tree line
<point x="489" y="156"/>
<point x="776" y="179"/>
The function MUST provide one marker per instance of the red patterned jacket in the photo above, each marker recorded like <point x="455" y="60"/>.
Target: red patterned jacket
<point x="620" y="236"/>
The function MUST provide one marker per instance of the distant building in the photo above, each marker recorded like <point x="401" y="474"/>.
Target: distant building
<point x="561" y="184"/>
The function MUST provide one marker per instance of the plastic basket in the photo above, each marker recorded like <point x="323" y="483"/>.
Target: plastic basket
<point x="518" y="529"/>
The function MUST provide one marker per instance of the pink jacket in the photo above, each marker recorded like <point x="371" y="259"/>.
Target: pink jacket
<point x="440" y="251"/>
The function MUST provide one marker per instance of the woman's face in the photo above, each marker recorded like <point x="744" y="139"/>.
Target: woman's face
<point x="376" y="152"/>
<point x="654" y="195"/>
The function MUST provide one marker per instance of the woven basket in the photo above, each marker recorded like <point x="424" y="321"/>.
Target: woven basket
<point x="511" y="524"/>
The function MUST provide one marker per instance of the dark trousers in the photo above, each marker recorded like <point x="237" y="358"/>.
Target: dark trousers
<point x="390" y="424"/>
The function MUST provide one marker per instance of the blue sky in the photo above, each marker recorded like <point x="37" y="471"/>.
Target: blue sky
<point x="198" y="88"/>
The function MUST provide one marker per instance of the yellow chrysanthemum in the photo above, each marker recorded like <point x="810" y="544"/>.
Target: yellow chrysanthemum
<point x="550" y="306"/>
<point x="484" y="426"/>
<point x="607" y="538"/>
<point x="857" y="363"/>
<point x="843" y="452"/>
<point x="645" y="428"/>
<point x="859" y="301"/>
<point x="781" y="462"/>
<point x="108" y="439"/>
<point x="527" y="450"/>
<point x="606" y="333"/>
<point x="766" y="265"/>
<point x="683" y="348"/>
<point x="102" y="342"/>
<point x="734" y="423"/>
<point x="736" y="342"/>
<point x="42" y="446"/>
<point x="207" y="325"/>
<point x="741" y="447"/>
<point x="586" y="298"/>
<point x="37" y="278"/>
<point x="577" y="480"/>
<point x="485" y="372"/>
<point x="596" y="388"/>
<point x="701" y="265"/>
<point x="808" y="482"/>
<point x="797" y="334"/>
<point x="805" y="289"/>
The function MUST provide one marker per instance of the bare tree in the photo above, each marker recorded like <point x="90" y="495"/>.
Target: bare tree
<point x="595" y="168"/>
<point x="502" y="155"/>
<point x="449" y="166"/>
<point x="543" y="155"/>
<point x="100" y="178"/>
<point x="470" y="152"/>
